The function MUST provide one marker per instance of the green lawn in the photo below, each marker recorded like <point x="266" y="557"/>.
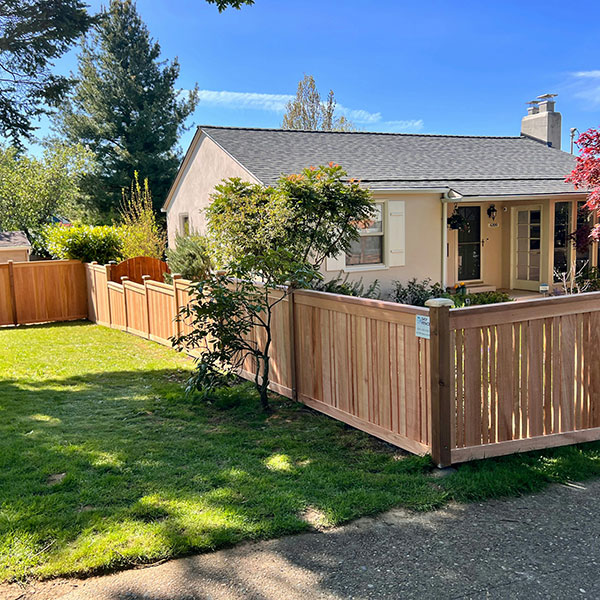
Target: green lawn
<point x="104" y="462"/>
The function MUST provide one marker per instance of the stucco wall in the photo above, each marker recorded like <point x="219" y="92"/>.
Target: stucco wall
<point x="7" y="254"/>
<point x="205" y="168"/>
<point x="497" y="250"/>
<point x="423" y="243"/>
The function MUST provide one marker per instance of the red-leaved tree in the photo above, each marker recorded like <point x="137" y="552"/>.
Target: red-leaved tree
<point x="586" y="174"/>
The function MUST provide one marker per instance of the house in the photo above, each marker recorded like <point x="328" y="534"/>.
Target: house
<point x="14" y="246"/>
<point x="506" y="195"/>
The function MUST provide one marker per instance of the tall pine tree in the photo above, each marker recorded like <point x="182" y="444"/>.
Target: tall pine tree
<point x="125" y="108"/>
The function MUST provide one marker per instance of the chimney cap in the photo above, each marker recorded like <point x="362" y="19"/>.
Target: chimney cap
<point x="546" y="97"/>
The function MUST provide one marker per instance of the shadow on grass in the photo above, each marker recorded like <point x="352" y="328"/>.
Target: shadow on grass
<point x="116" y="468"/>
<point x="109" y="469"/>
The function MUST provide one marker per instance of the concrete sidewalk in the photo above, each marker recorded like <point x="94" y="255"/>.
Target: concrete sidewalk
<point x="541" y="546"/>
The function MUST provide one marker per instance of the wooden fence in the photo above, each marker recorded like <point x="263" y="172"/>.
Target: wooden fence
<point x="40" y="291"/>
<point x="491" y="380"/>
<point x="524" y="376"/>
<point x="355" y="359"/>
<point x="135" y="268"/>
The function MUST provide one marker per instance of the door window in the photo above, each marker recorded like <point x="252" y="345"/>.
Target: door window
<point x="469" y="244"/>
<point x="529" y="244"/>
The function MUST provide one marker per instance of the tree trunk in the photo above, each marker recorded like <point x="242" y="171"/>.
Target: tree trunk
<point x="264" y="385"/>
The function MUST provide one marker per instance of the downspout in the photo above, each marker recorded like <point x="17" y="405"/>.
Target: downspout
<point x="444" y="242"/>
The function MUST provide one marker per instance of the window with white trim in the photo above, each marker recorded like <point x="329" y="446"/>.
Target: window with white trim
<point x="184" y="224"/>
<point x="368" y="249"/>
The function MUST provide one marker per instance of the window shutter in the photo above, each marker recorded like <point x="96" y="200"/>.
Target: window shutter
<point x="396" y="234"/>
<point x="336" y="263"/>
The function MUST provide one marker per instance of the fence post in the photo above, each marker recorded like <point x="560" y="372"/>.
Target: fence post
<point x="175" y="277"/>
<point x="13" y="293"/>
<point x="441" y="407"/>
<point x="124" y="278"/>
<point x="109" y="269"/>
<point x="292" y="332"/>
<point x="145" y="281"/>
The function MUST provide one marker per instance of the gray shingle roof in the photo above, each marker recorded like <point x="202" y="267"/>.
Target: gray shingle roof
<point x="11" y="239"/>
<point x="469" y="165"/>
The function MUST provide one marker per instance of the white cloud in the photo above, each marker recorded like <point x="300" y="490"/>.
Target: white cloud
<point x="585" y="85"/>
<point x="270" y="102"/>
<point x="277" y="103"/>
<point x="411" y="125"/>
<point x="588" y="74"/>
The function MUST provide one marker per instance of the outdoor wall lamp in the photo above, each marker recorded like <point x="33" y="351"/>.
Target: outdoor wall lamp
<point x="492" y="211"/>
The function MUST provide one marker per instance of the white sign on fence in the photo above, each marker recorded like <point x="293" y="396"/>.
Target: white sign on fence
<point x="422" y="326"/>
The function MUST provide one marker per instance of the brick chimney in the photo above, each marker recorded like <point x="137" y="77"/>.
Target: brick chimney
<point x="542" y="122"/>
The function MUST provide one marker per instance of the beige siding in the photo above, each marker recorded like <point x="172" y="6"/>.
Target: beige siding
<point x="205" y="168"/>
<point x="7" y="254"/>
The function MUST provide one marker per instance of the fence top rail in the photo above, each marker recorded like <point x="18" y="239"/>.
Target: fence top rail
<point x="159" y="286"/>
<point x="523" y="310"/>
<point x="45" y="263"/>
<point x="113" y="285"/>
<point x="370" y="302"/>
<point x="133" y="286"/>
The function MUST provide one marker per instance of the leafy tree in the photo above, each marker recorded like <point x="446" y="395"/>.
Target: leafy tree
<point x="223" y="4"/>
<point x="142" y="235"/>
<point x="586" y="174"/>
<point x="126" y="107"/>
<point x="278" y="237"/>
<point x="34" y="33"/>
<point x="33" y="190"/>
<point x="308" y="111"/>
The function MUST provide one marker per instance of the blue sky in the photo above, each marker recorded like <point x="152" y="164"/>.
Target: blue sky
<point x="442" y="66"/>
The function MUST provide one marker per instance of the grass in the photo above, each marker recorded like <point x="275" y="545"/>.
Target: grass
<point x="104" y="462"/>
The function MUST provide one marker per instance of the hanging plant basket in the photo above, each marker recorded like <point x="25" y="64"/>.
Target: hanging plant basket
<point x="457" y="221"/>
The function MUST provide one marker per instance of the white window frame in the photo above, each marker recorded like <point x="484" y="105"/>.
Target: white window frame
<point x="182" y="217"/>
<point x="383" y="235"/>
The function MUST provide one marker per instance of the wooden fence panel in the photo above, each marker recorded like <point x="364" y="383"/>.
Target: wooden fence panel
<point x="161" y="311"/>
<point x="136" y="307"/>
<point x="136" y="268"/>
<point x="7" y="316"/>
<point x="534" y="367"/>
<point x="118" y="312"/>
<point x="45" y="291"/>
<point x="360" y="361"/>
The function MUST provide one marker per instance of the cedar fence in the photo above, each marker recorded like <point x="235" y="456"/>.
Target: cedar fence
<point x="491" y="380"/>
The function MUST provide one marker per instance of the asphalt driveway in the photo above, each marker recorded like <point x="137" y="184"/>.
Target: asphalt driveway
<point x="541" y="546"/>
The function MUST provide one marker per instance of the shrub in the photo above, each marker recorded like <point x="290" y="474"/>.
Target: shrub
<point x="190" y="257"/>
<point x="341" y="285"/>
<point x="416" y="292"/>
<point x="480" y="298"/>
<point x="142" y="235"/>
<point x="84" y="242"/>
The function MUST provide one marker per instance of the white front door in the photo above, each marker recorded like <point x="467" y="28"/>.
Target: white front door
<point x="527" y="245"/>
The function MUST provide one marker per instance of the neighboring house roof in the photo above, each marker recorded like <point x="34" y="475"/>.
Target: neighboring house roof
<point x="13" y="239"/>
<point x="468" y="165"/>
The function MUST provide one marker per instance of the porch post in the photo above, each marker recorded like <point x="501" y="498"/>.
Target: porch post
<point x="441" y="407"/>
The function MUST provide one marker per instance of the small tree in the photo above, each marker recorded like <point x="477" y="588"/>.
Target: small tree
<point x="142" y="235"/>
<point x="308" y="111"/>
<point x="269" y="241"/>
<point x="586" y="174"/>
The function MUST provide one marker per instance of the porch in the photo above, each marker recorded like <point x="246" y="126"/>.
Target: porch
<point x="518" y="245"/>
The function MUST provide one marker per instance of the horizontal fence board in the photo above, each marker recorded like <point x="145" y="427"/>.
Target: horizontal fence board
<point x="552" y="440"/>
<point x="523" y="310"/>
